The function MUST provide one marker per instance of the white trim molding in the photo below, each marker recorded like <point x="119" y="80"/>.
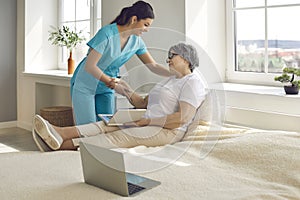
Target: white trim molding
<point x="10" y="124"/>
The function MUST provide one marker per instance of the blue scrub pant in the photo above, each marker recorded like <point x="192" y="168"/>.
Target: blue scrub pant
<point x="87" y="106"/>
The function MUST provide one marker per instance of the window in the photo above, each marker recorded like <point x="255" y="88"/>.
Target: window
<point x="263" y="37"/>
<point x="79" y="15"/>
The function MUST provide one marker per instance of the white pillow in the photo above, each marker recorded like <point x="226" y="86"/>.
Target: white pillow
<point x="203" y="112"/>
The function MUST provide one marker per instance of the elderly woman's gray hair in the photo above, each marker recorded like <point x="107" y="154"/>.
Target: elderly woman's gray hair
<point x="188" y="52"/>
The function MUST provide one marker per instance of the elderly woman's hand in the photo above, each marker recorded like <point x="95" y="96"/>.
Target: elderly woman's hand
<point x="123" y="88"/>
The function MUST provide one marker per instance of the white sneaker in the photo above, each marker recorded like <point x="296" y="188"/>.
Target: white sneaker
<point x="43" y="147"/>
<point x="47" y="132"/>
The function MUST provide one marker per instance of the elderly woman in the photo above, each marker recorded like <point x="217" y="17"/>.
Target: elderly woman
<point x="171" y="106"/>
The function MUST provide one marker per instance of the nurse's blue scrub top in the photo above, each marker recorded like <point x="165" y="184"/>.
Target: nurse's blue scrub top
<point x="107" y="43"/>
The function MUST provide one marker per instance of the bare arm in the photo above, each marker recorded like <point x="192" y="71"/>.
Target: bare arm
<point x="153" y="66"/>
<point x="185" y="113"/>
<point x="136" y="100"/>
<point x="91" y="67"/>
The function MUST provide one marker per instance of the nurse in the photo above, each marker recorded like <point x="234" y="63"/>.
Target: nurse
<point x="113" y="45"/>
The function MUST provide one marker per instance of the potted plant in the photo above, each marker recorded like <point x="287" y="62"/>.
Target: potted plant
<point x="65" y="37"/>
<point x="288" y="76"/>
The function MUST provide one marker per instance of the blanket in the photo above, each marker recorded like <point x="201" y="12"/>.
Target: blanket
<point x="222" y="163"/>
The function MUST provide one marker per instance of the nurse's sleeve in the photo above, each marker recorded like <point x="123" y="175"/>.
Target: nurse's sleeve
<point x="99" y="41"/>
<point x="142" y="48"/>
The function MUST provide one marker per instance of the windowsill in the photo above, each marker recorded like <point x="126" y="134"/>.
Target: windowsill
<point x="252" y="89"/>
<point x="228" y="87"/>
<point x="56" y="74"/>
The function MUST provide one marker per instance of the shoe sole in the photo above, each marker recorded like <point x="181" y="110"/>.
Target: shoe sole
<point x="43" y="147"/>
<point x="43" y="131"/>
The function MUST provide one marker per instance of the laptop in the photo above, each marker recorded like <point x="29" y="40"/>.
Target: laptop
<point x="105" y="169"/>
<point x="122" y="116"/>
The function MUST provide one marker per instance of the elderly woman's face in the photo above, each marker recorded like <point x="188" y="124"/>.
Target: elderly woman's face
<point x="176" y="62"/>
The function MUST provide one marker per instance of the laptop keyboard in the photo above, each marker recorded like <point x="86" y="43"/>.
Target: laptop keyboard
<point x="132" y="188"/>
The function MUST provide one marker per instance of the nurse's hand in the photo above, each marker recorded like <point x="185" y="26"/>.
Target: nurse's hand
<point x="112" y="83"/>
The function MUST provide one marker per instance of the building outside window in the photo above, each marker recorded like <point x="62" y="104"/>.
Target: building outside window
<point x="263" y="38"/>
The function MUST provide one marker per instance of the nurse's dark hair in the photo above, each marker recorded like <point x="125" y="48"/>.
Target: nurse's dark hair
<point x="140" y="9"/>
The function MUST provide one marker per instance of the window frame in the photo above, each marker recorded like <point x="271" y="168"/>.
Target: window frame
<point x="231" y="75"/>
<point x="94" y="12"/>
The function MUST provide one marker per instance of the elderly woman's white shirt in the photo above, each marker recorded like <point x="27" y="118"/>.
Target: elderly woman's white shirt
<point x="165" y="97"/>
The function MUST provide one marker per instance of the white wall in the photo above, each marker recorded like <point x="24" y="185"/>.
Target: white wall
<point x="205" y="26"/>
<point x="39" y="53"/>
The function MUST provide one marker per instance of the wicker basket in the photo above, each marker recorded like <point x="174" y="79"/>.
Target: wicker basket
<point x="58" y="115"/>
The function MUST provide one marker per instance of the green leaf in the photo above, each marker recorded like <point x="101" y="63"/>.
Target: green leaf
<point x="65" y="37"/>
<point x="285" y="78"/>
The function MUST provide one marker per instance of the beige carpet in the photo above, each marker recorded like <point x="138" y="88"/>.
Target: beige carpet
<point x="240" y="164"/>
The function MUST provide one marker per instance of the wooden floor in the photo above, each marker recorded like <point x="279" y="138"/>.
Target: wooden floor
<point x="16" y="139"/>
